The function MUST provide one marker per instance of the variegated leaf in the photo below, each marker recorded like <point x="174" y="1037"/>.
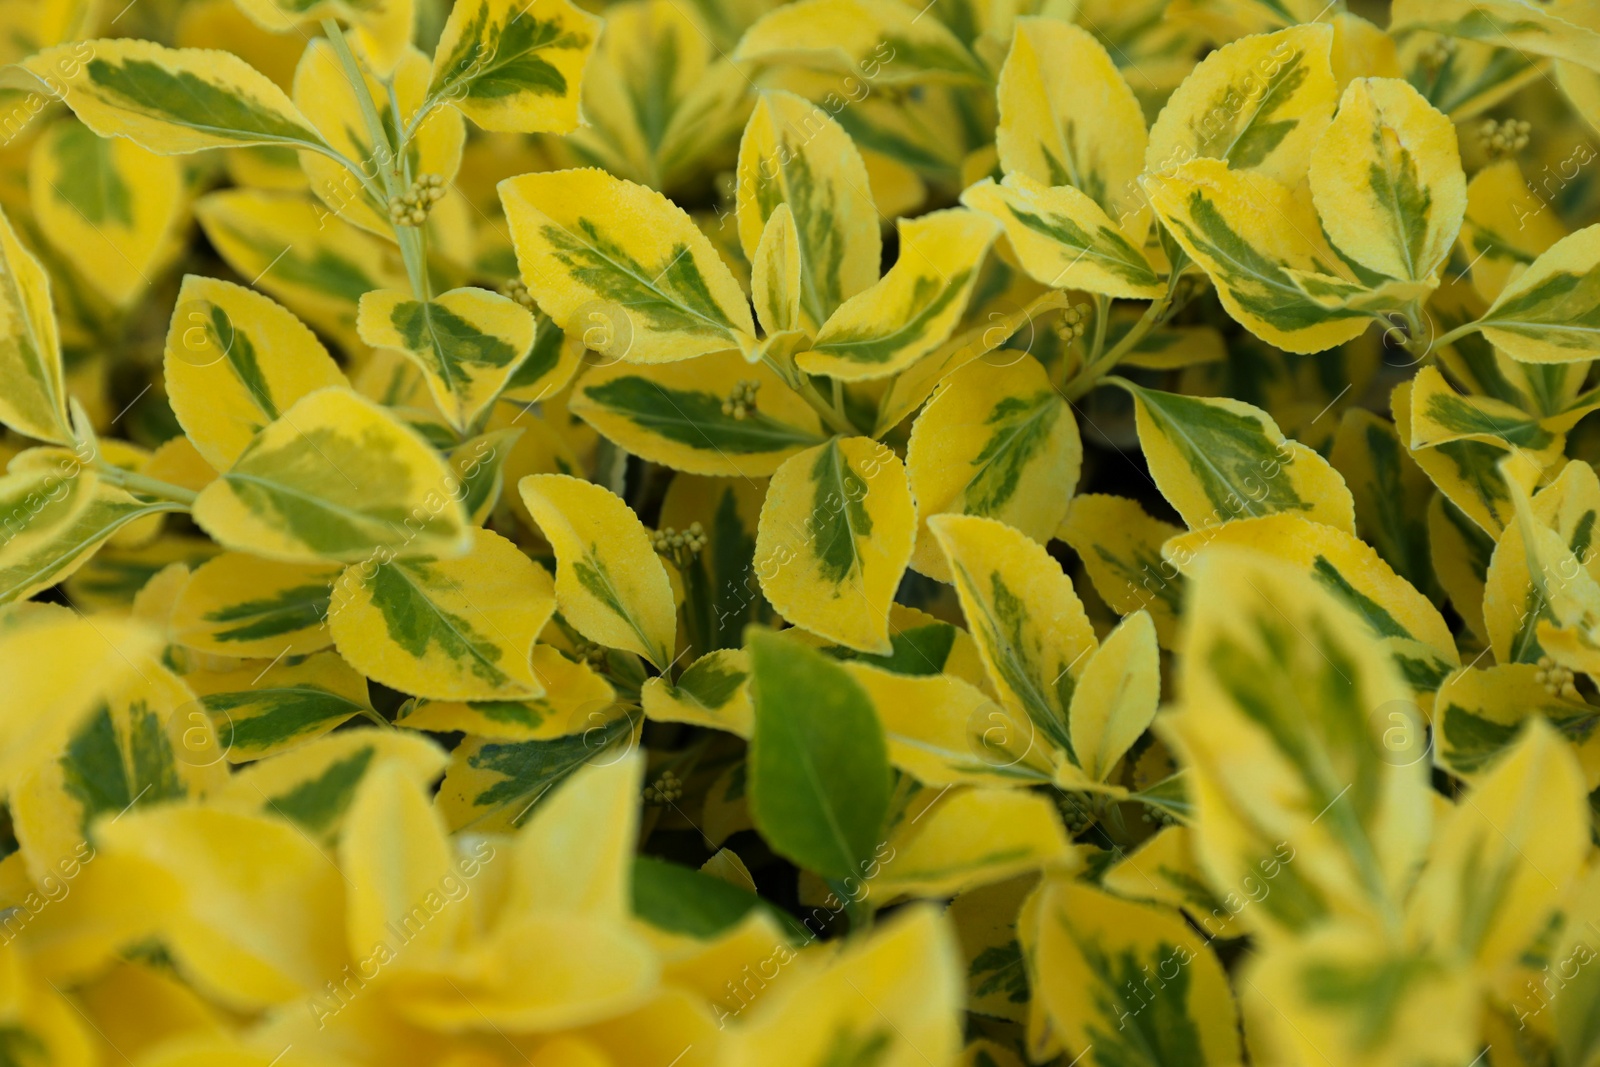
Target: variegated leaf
<point x="1507" y="226"/>
<point x="1116" y="696"/>
<point x="610" y="584"/>
<point x="108" y="207"/>
<point x="235" y="361"/>
<point x="995" y="442"/>
<point x="957" y="839"/>
<point x="794" y="154"/>
<point x="1387" y="181"/>
<point x="173" y="100"/>
<point x="1511" y="24"/>
<point x="1216" y="459"/>
<point x="451" y="629"/>
<point x="1120" y="546"/>
<point x="1030" y="626"/>
<point x="572" y="691"/>
<point x="1068" y="118"/>
<point x="336" y="478"/>
<point x="1257" y="104"/>
<point x="605" y="255"/>
<point x="1064" y="239"/>
<point x="836" y="534"/>
<point x="34" y="400"/>
<point x="1551" y="312"/>
<point x="514" y="67"/>
<point x="260" y="712"/>
<point x="1479" y="714"/>
<point x="468" y="342"/>
<point x="683" y="415"/>
<point x="842" y="36"/>
<point x="240" y="605"/>
<point x="914" y="308"/>
<point x="383" y="28"/>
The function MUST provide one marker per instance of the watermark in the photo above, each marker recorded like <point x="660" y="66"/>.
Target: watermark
<point x="51" y="889"/>
<point x="55" y="88"/>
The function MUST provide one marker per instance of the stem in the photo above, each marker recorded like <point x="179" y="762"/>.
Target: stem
<point x="140" y="483"/>
<point x="412" y="242"/>
<point x="1102" y="312"/>
<point x="1093" y="372"/>
<point x="834" y="418"/>
<point x="1455" y="335"/>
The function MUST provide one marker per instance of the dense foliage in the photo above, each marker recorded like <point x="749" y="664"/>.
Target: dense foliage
<point x="835" y="534"/>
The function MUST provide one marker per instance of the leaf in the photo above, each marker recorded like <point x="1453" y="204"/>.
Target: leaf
<point x="712" y="692"/>
<point x="913" y="308"/>
<point x="1404" y="621"/>
<point x="1096" y="953"/>
<point x="1468" y="472"/>
<point x="109" y="207"/>
<point x="382" y="27"/>
<point x="324" y="92"/>
<point x="34" y="399"/>
<point x="1286" y="698"/>
<point x="1217" y="459"/>
<point x="1030" y="626"/>
<point x="1501" y="858"/>
<point x="610" y="584"/>
<point x="835" y="535"/>
<point x="1257" y="105"/>
<point x="998" y="442"/>
<point x="173" y="100"/>
<point x="1390" y="491"/>
<point x="138" y="748"/>
<point x="56" y="518"/>
<point x="1440" y="415"/>
<point x="1068" y="118"/>
<point x="960" y="839"/>
<point x="1507" y="226"/>
<point x="453" y="629"/>
<point x="686" y="901"/>
<point x="1164" y="871"/>
<point x="1064" y="239"/>
<point x="572" y="694"/>
<point x="1120" y="546"/>
<point x="601" y="253"/>
<point x="494" y="786"/>
<point x="1480" y="713"/>
<point x="1116" y="696"/>
<point x="722" y="593"/>
<point x="816" y="742"/>
<point x="468" y="342"/>
<point x="793" y="154"/>
<point x="236" y="604"/>
<point x="1550" y="313"/>
<point x="235" y="361"/>
<point x="944" y="731"/>
<point x="1510" y="24"/>
<point x="513" y="67"/>
<point x="260" y="712"/>
<point x="301" y="253"/>
<point x="775" y="275"/>
<point x="848" y="35"/>
<point x="681" y="415"/>
<point x="252" y="908"/>
<point x="335" y="478"/>
<point x="1387" y="181"/>
<point x="1257" y="241"/>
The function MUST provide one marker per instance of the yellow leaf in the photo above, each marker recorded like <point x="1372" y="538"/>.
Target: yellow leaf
<point x="34" y="400"/>
<point x="1547" y="314"/>
<point x="914" y="308"/>
<point x="1387" y="182"/>
<point x="514" y="76"/>
<point x="884" y="40"/>
<point x="589" y="245"/>
<point x="1120" y="545"/>
<point x="835" y="535"/>
<point x="573" y="693"/>
<point x="1507" y="226"/>
<point x="998" y="442"/>
<point x="1068" y="118"/>
<point x="336" y="478"/>
<point x="1216" y="459"/>
<point x="1258" y="104"/>
<point x="610" y="584"/>
<point x="238" y="605"/>
<point x="236" y="361"/>
<point x="958" y="839"/>
<point x="1030" y="626"/>
<point x="794" y="155"/>
<point x="109" y="207"/>
<point x="449" y="629"/>
<point x="258" y="712"/>
<point x="776" y="284"/>
<point x="1116" y="696"/>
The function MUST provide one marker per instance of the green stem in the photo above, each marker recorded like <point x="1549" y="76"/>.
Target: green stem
<point x="833" y="417"/>
<point x="1093" y="372"/>
<point x="140" y="483"/>
<point x="412" y="241"/>
<point x="1102" y="312"/>
<point x="1454" y="335"/>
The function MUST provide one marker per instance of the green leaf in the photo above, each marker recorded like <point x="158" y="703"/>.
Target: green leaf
<point x="819" y="761"/>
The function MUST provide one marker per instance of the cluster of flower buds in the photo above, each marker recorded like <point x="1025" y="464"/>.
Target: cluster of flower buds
<point x="596" y="656"/>
<point x="516" y="290"/>
<point x="411" y="207"/>
<point x="742" y="401"/>
<point x="680" y="546"/>
<point x="664" y="790"/>
<point x="1436" y="54"/>
<point x="1556" y="679"/>
<point x="1503" y="139"/>
<point x="1077" y="811"/>
<point x="1073" y="321"/>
